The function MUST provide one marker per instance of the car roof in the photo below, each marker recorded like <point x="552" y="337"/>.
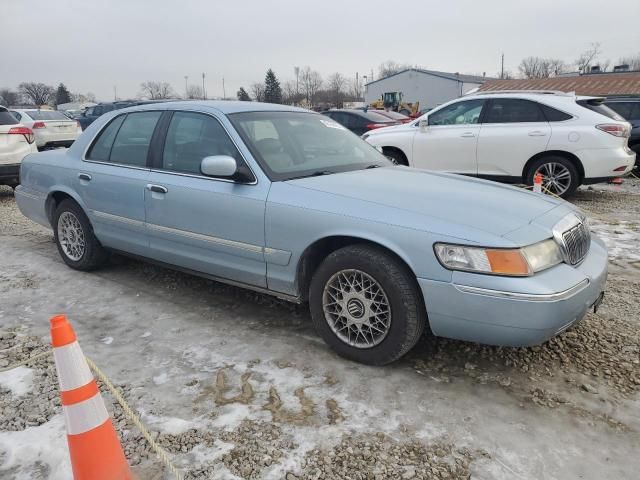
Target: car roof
<point x="224" y="106"/>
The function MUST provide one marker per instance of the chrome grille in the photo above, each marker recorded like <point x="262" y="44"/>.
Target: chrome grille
<point x="576" y="242"/>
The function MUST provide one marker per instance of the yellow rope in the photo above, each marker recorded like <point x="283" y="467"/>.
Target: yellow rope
<point x="159" y="451"/>
<point x="129" y="413"/>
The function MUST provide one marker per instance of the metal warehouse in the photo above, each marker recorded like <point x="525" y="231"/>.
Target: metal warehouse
<point x="429" y="87"/>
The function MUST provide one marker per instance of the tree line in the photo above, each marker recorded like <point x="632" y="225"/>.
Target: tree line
<point x="38" y="93"/>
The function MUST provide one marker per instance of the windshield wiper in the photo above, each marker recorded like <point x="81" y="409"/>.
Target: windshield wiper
<point x="317" y="173"/>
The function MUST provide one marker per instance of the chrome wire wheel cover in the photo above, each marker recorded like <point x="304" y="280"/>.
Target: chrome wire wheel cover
<point x="71" y="236"/>
<point x="556" y="178"/>
<point x="356" y="308"/>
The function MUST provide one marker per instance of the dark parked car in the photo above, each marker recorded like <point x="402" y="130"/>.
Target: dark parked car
<point x="629" y="108"/>
<point x="92" y="113"/>
<point x="358" y="121"/>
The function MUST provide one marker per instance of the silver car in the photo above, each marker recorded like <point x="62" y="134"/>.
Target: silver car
<point x="287" y="202"/>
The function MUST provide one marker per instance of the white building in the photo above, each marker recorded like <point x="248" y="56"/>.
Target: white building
<point x="429" y="87"/>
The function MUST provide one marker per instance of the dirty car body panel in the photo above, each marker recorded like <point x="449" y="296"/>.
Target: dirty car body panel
<point x="257" y="231"/>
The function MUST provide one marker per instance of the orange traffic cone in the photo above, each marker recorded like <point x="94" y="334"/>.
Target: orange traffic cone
<point x="94" y="447"/>
<point x="537" y="183"/>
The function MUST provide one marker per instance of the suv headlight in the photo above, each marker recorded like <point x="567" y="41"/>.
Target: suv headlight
<point x="518" y="262"/>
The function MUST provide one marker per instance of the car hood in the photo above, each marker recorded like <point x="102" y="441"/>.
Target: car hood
<point x="454" y="199"/>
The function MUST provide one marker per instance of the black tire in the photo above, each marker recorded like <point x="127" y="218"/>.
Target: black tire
<point x="93" y="254"/>
<point x="407" y="312"/>
<point x="395" y="156"/>
<point x="574" y="182"/>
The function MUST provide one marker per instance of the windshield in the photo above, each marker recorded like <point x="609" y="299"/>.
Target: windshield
<point x="293" y="145"/>
<point x="46" y="115"/>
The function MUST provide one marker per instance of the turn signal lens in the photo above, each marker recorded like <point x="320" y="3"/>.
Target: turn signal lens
<point x="517" y="262"/>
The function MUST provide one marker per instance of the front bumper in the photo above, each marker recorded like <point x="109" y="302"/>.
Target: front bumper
<point x="517" y="317"/>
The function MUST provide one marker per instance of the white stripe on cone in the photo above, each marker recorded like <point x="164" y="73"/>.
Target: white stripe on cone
<point x="84" y="416"/>
<point x="73" y="371"/>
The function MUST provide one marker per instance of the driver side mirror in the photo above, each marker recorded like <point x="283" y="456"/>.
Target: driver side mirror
<point x="423" y="124"/>
<point x="219" y="166"/>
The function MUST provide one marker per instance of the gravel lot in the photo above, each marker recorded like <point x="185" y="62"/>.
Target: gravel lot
<point x="237" y="385"/>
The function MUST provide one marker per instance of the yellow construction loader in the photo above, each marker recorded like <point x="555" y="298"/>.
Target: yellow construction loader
<point x="393" y="101"/>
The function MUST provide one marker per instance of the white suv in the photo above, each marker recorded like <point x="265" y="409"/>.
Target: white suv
<point x="511" y="136"/>
<point x="16" y="142"/>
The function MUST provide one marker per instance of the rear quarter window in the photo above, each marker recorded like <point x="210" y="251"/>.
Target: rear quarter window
<point x="553" y="115"/>
<point x="7" y="118"/>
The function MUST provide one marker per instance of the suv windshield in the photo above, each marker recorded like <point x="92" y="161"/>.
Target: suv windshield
<point x="293" y="145"/>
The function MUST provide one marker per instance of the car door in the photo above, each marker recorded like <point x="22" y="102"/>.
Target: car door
<point x="205" y="224"/>
<point x="449" y="141"/>
<point x="513" y="131"/>
<point x="112" y="179"/>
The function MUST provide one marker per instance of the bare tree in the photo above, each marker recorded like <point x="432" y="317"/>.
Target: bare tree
<point x="36" y="93"/>
<point x="194" y="91"/>
<point x="538" y="67"/>
<point x="290" y="94"/>
<point x="336" y="86"/>
<point x="258" y="91"/>
<point x="311" y="83"/>
<point x="9" y="97"/>
<point x="588" y="57"/>
<point x="390" y="67"/>
<point x="633" y="61"/>
<point x="156" y="90"/>
<point x="83" y="97"/>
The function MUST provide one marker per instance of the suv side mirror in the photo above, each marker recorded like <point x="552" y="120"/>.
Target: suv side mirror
<point x="219" y="166"/>
<point x="423" y="124"/>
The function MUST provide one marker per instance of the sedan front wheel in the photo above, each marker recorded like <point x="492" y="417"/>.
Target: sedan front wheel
<point x="366" y="305"/>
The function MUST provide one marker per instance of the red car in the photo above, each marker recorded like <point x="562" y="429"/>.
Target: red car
<point x="398" y="117"/>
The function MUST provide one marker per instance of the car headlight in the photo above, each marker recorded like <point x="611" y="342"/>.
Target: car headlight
<point x="500" y="261"/>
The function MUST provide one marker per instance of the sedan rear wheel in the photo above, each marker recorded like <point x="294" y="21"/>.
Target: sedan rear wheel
<point x="77" y="245"/>
<point x="366" y="304"/>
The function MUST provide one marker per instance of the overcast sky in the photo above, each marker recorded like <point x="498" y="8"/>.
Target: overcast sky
<point x="92" y="46"/>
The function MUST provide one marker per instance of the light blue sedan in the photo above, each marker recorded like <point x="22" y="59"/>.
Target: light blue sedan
<point x="288" y="202"/>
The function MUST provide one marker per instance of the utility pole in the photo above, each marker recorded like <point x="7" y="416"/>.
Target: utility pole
<point x="224" y="92"/>
<point x="357" y="86"/>
<point x="502" y="67"/>
<point x="186" y="87"/>
<point x="204" y="92"/>
<point x="297" y="72"/>
<point x="115" y="94"/>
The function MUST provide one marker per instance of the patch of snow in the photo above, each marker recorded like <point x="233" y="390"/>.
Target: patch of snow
<point x="145" y="334"/>
<point x="19" y="380"/>
<point x="202" y="454"/>
<point x="107" y="340"/>
<point x="170" y="425"/>
<point x="36" y="452"/>
<point x="622" y="239"/>
<point x="160" y="379"/>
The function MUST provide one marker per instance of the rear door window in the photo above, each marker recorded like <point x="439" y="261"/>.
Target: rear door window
<point x="194" y="136"/>
<point x="513" y="110"/>
<point x="126" y="139"/>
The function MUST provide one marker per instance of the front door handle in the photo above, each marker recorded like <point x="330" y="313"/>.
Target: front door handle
<point x="468" y="135"/>
<point x="537" y="133"/>
<point x="157" y="188"/>
<point x="84" y="176"/>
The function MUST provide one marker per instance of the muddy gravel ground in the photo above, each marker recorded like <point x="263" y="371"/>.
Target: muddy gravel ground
<point x="235" y="384"/>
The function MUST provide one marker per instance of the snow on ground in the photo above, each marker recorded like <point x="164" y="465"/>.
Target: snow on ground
<point x="36" y="452"/>
<point x="622" y="238"/>
<point x="19" y="380"/>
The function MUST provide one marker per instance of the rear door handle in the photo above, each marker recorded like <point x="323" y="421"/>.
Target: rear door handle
<point x="157" y="188"/>
<point x="468" y="135"/>
<point x="537" y="133"/>
<point x="84" y="176"/>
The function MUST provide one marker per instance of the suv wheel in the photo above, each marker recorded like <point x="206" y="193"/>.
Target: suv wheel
<point x="366" y="305"/>
<point x="559" y="175"/>
<point x="78" y="246"/>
